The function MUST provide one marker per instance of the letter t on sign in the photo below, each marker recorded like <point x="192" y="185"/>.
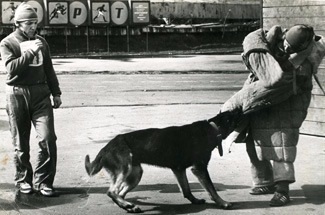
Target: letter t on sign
<point x="120" y="12"/>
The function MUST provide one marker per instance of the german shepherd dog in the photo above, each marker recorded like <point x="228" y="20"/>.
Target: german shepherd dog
<point x="176" y="147"/>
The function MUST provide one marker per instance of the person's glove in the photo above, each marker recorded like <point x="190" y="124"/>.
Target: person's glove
<point x="298" y="58"/>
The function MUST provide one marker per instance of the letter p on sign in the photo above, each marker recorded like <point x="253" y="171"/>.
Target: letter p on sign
<point x="78" y="13"/>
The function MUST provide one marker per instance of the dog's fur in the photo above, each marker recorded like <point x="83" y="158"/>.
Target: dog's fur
<point x="177" y="148"/>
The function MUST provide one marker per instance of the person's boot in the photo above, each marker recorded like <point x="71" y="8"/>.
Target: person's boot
<point x="262" y="190"/>
<point x="281" y="195"/>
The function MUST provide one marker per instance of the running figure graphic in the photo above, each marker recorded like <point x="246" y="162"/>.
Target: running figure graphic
<point x="13" y="8"/>
<point x="59" y="9"/>
<point x="100" y="11"/>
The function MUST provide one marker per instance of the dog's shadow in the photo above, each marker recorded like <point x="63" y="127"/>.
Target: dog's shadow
<point x="186" y="207"/>
<point x="195" y="187"/>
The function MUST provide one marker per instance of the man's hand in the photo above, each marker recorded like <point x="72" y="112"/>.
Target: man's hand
<point x="36" y="46"/>
<point x="57" y="101"/>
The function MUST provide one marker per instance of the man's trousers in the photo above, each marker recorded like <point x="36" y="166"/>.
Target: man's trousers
<point x="27" y="105"/>
<point x="265" y="173"/>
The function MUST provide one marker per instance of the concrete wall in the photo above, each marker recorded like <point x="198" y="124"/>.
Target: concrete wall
<point x="312" y="12"/>
<point x="209" y="9"/>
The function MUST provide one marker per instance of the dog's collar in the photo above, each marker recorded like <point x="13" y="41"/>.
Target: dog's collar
<point x="219" y="138"/>
<point x="216" y="128"/>
<point x="214" y="125"/>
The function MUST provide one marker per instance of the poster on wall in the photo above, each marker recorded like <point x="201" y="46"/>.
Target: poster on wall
<point x="38" y="5"/>
<point x="100" y="12"/>
<point x="140" y="12"/>
<point x="119" y="12"/>
<point x="58" y="12"/>
<point x="78" y="12"/>
<point x="8" y="9"/>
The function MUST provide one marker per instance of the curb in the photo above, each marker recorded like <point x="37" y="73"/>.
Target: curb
<point x="104" y="55"/>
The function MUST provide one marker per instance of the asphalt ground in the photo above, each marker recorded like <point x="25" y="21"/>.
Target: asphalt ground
<point x="153" y="64"/>
<point x="86" y="129"/>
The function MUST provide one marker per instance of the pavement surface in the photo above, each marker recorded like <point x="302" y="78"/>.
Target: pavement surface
<point x="85" y="127"/>
<point x="149" y="64"/>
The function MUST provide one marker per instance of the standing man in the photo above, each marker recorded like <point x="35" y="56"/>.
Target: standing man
<point x="278" y="90"/>
<point x="30" y="82"/>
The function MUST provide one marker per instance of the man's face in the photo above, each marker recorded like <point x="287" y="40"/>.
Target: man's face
<point x="29" y="27"/>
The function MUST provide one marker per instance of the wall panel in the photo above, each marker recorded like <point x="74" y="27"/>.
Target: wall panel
<point x="312" y="12"/>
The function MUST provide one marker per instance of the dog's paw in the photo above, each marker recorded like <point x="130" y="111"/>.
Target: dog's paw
<point x="226" y="205"/>
<point x="198" y="201"/>
<point x="134" y="209"/>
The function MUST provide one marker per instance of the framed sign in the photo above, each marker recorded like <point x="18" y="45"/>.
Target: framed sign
<point x="38" y="5"/>
<point x="119" y="12"/>
<point x="8" y="9"/>
<point x="100" y="12"/>
<point x="140" y="12"/>
<point x="78" y="12"/>
<point x="58" y="12"/>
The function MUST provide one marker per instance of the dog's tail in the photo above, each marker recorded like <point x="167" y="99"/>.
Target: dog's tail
<point x="94" y="167"/>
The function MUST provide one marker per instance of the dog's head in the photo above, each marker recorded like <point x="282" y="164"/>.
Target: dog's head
<point x="227" y="121"/>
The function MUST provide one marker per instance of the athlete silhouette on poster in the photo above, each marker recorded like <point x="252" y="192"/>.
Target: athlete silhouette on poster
<point x="12" y="8"/>
<point x="58" y="13"/>
<point x="59" y="9"/>
<point x="101" y="10"/>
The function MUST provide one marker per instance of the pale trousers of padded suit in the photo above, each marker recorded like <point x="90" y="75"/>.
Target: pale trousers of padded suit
<point x="265" y="172"/>
<point x="27" y="105"/>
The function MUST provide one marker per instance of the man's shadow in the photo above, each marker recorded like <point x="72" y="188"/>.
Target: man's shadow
<point x="311" y="193"/>
<point x="16" y="200"/>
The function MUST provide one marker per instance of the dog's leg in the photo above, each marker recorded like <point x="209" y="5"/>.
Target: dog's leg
<point x="118" y="176"/>
<point x="113" y="193"/>
<point x="185" y="187"/>
<point x="202" y="174"/>
<point x="132" y="180"/>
